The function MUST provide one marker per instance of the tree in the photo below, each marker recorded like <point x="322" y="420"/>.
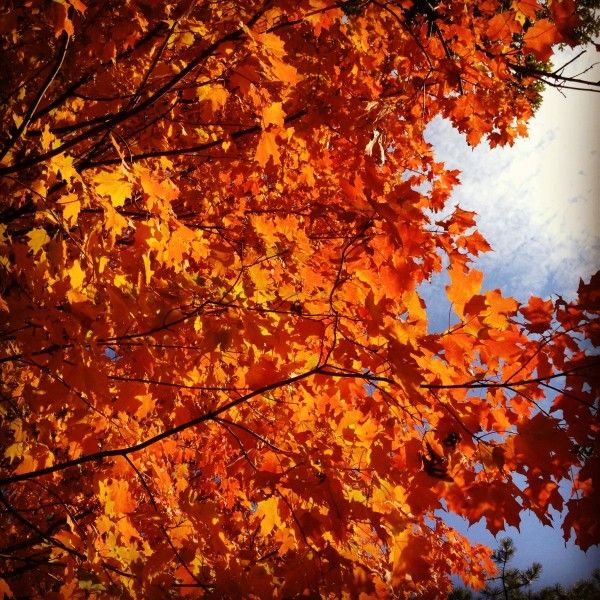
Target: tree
<point x="587" y="589"/>
<point x="512" y="581"/>
<point x="217" y="377"/>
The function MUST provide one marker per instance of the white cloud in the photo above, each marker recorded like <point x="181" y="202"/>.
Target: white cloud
<point x="538" y="201"/>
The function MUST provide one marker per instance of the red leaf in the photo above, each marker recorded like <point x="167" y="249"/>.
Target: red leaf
<point x="538" y="314"/>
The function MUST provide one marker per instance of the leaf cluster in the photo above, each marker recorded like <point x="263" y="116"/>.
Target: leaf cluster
<point x="217" y="374"/>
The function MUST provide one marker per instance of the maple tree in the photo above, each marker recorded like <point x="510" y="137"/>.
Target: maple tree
<point x="217" y="374"/>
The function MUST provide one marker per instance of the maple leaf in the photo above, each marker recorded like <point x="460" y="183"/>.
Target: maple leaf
<point x="564" y="14"/>
<point x="64" y="167"/>
<point x="71" y="207"/>
<point x="273" y="115"/>
<point x="76" y="275"/>
<point x="540" y="38"/>
<point x="499" y="309"/>
<point x="60" y="19"/>
<point x="267" y="148"/>
<point x="5" y="589"/>
<point x="217" y="95"/>
<point x="38" y="238"/>
<point x="268" y="515"/>
<point x="464" y="284"/>
<point x="116" y="497"/>
<point x="529" y="8"/>
<point x="502" y="26"/>
<point x="113" y="185"/>
<point x="538" y="314"/>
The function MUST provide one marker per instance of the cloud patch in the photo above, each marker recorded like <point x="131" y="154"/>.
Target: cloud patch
<point x="538" y="201"/>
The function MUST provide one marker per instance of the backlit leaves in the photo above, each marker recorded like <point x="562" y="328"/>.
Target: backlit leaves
<point x="217" y="374"/>
<point x="538" y="314"/>
<point x="540" y="38"/>
<point x="267" y="148"/>
<point x="463" y="286"/>
<point x="38" y="238"/>
<point x="113" y="185"/>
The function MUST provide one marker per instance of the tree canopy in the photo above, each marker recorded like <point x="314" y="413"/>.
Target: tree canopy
<point x="217" y="376"/>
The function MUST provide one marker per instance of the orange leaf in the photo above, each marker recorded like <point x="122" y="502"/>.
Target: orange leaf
<point x="116" y="497"/>
<point x="499" y="309"/>
<point x="267" y="148"/>
<point x="273" y="115"/>
<point x="5" y="591"/>
<point x="540" y="38"/>
<point x="502" y="26"/>
<point x="528" y="7"/>
<point x="463" y="286"/>
<point x="267" y="511"/>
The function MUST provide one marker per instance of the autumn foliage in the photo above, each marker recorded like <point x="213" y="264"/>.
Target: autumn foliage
<point x="217" y="377"/>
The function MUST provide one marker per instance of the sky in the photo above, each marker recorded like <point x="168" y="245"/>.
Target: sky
<point x="538" y="205"/>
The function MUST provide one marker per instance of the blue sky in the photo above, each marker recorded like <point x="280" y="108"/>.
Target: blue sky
<point x="538" y="205"/>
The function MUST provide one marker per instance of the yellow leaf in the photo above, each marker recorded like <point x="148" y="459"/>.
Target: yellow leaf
<point x="187" y="38"/>
<point x="261" y="280"/>
<point x="267" y="510"/>
<point x="271" y="43"/>
<point x="520" y="17"/>
<point x="102" y="263"/>
<point x="37" y="239"/>
<point x="121" y="281"/>
<point x="198" y="324"/>
<point x="273" y="115"/>
<point x="118" y="149"/>
<point x="113" y="185"/>
<point x="74" y="297"/>
<point x="64" y="167"/>
<point x="399" y="556"/>
<point x="147" y="270"/>
<point x="47" y="138"/>
<point x="71" y="207"/>
<point x="114" y="222"/>
<point x="14" y="451"/>
<point x="76" y="275"/>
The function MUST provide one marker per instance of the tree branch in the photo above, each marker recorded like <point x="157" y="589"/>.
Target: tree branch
<point x="64" y="44"/>
<point x="490" y="384"/>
